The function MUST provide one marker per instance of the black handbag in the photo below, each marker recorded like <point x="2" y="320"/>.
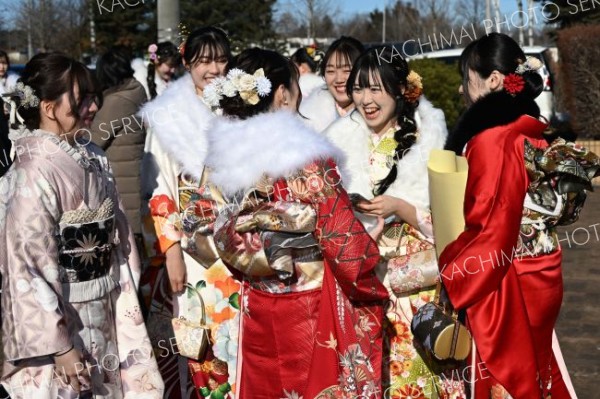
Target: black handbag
<point x="437" y="329"/>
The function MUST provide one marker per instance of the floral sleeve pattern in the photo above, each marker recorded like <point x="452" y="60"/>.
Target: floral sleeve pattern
<point x="32" y="298"/>
<point x="166" y="221"/>
<point x="350" y="251"/>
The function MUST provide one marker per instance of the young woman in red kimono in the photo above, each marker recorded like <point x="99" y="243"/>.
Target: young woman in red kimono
<point x="311" y="302"/>
<point x="505" y="268"/>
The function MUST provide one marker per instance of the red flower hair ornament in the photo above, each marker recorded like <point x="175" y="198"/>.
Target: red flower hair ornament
<point x="514" y="84"/>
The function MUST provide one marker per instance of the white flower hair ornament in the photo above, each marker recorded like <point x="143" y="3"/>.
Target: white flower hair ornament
<point x="237" y="82"/>
<point x="530" y="64"/>
<point x="27" y="99"/>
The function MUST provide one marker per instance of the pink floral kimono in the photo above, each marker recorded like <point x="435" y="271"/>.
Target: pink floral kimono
<point x="70" y="274"/>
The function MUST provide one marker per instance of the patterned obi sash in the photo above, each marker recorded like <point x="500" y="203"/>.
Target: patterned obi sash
<point x="86" y="241"/>
<point x="559" y="177"/>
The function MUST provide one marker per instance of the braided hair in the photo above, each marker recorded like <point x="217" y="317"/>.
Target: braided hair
<point x="390" y="70"/>
<point x="166" y="52"/>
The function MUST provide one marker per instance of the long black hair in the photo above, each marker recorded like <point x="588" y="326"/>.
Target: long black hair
<point x="166" y="52"/>
<point x="278" y="69"/>
<point x="392" y="76"/>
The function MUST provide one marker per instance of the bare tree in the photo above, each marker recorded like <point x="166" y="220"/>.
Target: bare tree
<point x="404" y="22"/>
<point x="471" y="11"/>
<point x="312" y="11"/>
<point x="289" y="26"/>
<point x="434" y="12"/>
<point x="54" y="24"/>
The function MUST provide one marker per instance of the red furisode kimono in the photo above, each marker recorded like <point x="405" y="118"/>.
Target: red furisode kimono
<point x="504" y="272"/>
<point x="312" y="305"/>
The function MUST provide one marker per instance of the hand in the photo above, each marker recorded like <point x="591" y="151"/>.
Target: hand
<point x="381" y="206"/>
<point x="176" y="268"/>
<point x="72" y="369"/>
<point x="377" y="230"/>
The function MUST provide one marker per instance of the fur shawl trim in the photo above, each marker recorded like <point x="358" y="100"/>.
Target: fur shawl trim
<point x="179" y="118"/>
<point x="274" y="144"/>
<point x="495" y="109"/>
<point x="351" y="135"/>
<point x="319" y="109"/>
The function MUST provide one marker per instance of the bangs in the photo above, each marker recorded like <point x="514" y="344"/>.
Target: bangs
<point x="211" y="49"/>
<point x="369" y="71"/>
<point x="85" y="80"/>
<point x="342" y="59"/>
<point x="367" y="76"/>
<point x="80" y="76"/>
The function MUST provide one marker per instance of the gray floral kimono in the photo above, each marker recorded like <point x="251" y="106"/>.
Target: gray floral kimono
<point x="70" y="273"/>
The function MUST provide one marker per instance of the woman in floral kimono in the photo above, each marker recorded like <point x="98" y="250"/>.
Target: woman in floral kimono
<point x="312" y="304"/>
<point x="72" y="323"/>
<point x="176" y="229"/>
<point x="387" y="141"/>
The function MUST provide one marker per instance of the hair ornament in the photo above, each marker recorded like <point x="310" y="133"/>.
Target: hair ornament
<point x="152" y="51"/>
<point x="27" y="99"/>
<point x="183" y="35"/>
<point x="530" y="64"/>
<point x="513" y="83"/>
<point x="26" y="95"/>
<point x="237" y="82"/>
<point x="414" y="87"/>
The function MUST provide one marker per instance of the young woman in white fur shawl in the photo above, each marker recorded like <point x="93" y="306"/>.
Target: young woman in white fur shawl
<point x="387" y="141"/>
<point x="312" y="304"/>
<point x="177" y="228"/>
<point x="330" y="102"/>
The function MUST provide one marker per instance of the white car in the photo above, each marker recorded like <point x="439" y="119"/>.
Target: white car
<point x="545" y="100"/>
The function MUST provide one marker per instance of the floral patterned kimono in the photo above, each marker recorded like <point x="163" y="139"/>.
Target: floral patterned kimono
<point x="70" y="274"/>
<point x="312" y="304"/>
<point x="409" y="266"/>
<point x="181" y="206"/>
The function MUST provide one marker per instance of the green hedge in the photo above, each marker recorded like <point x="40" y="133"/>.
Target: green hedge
<point x="440" y="86"/>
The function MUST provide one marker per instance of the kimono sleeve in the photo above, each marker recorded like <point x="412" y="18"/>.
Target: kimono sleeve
<point x="159" y="180"/>
<point x="475" y="263"/>
<point x="32" y="299"/>
<point x="347" y="248"/>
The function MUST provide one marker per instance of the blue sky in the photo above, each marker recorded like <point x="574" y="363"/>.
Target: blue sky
<point x="351" y="7"/>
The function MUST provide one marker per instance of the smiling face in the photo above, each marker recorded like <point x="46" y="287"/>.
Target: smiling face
<point x="336" y="74"/>
<point x="165" y="71"/>
<point x="61" y="119"/>
<point x="206" y="68"/>
<point x="376" y="105"/>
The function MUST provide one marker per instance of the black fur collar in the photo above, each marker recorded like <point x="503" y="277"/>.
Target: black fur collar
<point x="495" y="109"/>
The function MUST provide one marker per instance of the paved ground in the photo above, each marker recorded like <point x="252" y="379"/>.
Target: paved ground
<point x="578" y="326"/>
